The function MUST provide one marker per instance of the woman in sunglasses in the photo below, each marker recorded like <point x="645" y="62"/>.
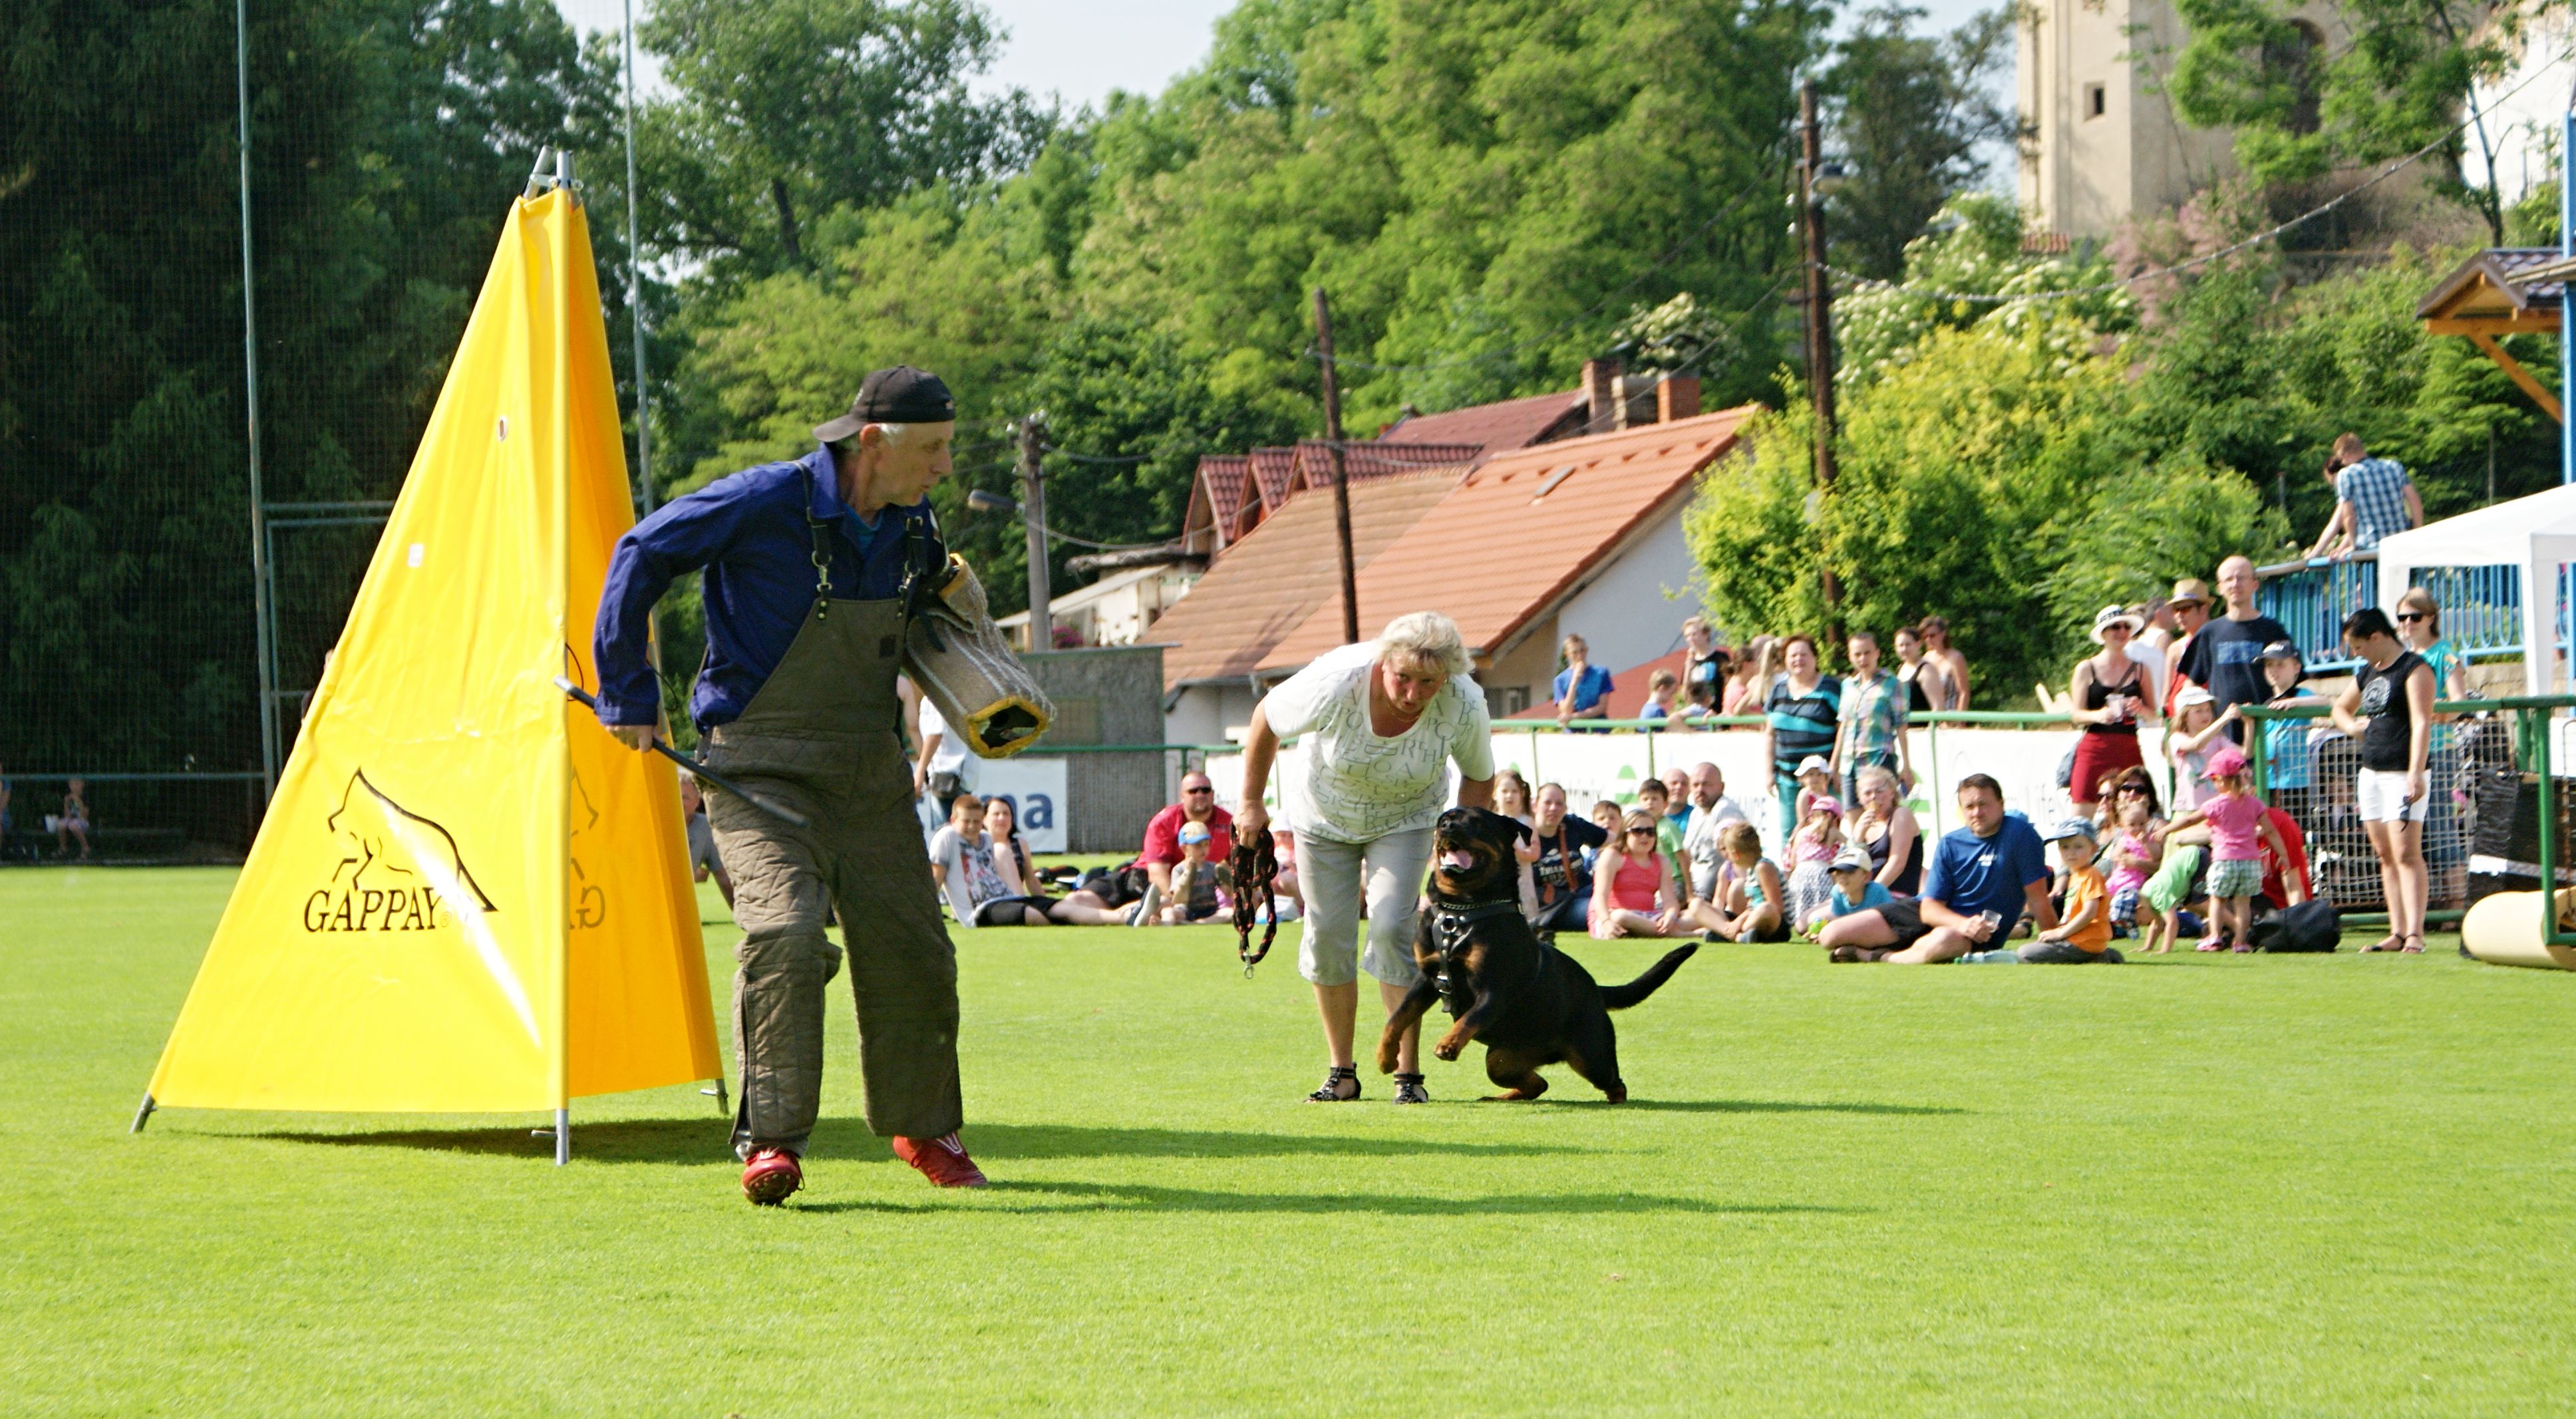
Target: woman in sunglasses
<point x="2419" y="624"/>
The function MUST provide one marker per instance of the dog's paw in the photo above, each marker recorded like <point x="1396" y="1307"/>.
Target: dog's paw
<point x="1386" y="1055"/>
<point x="1449" y="1046"/>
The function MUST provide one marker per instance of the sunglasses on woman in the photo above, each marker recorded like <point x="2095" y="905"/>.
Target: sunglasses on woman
<point x="2410" y="615"/>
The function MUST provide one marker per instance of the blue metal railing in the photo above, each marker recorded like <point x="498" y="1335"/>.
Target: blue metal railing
<point x="2312" y="597"/>
<point x="2481" y="606"/>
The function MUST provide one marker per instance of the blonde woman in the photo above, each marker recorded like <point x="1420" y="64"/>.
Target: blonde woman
<point x="1383" y="722"/>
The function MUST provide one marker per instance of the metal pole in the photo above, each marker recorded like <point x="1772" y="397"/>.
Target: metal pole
<point x="1341" y="474"/>
<point x="1033" y="513"/>
<point x="563" y="1137"/>
<point x="2566" y="301"/>
<point x="260" y="604"/>
<point x="635" y="294"/>
<point x="1820" y="315"/>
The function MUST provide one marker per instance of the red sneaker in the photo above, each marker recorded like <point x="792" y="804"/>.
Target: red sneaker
<point x="770" y="1176"/>
<point x="943" y="1160"/>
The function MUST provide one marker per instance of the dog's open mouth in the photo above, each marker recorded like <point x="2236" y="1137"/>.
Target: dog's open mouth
<point x="1458" y="859"/>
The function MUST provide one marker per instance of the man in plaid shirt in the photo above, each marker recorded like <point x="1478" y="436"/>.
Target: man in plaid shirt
<point x="2373" y="499"/>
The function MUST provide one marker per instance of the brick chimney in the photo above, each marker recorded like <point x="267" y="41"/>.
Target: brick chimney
<point x="1677" y="398"/>
<point x="1601" y="394"/>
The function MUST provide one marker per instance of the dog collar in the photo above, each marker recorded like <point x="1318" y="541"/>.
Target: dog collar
<point x="1453" y="922"/>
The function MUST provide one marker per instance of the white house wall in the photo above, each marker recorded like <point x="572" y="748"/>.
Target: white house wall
<point x="1633" y="610"/>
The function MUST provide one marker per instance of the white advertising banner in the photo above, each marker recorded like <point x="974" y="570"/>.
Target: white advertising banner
<point x="1035" y="787"/>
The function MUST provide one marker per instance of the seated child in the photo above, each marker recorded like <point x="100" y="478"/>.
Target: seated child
<point x="1815" y="780"/>
<point x="1747" y="903"/>
<point x="2083" y="932"/>
<point x="1194" y="886"/>
<point x="1855" y="890"/>
<point x="1817" y="842"/>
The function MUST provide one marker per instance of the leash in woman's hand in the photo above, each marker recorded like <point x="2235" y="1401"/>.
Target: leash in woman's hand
<point x="1255" y="861"/>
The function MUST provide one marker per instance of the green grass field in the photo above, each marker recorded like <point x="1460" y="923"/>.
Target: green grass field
<point x="2190" y="1186"/>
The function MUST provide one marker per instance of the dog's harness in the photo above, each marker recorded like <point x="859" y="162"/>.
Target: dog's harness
<point x="1255" y="861"/>
<point x="1451" y="926"/>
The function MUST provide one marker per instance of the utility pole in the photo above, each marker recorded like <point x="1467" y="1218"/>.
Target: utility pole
<point x="262" y="613"/>
<point x="1033" y="514"/>
<point x="644" y="499"/>
<point x="1820" y="314"/>
<point x="1341" y="475"/>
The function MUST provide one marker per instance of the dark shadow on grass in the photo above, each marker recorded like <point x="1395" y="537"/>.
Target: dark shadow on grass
<point x="1784" y="1106"/>
<point x="1132" y="1197"/>
<point x="709" y="1140"/>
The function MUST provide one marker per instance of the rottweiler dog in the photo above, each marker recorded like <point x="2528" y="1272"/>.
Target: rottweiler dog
<point x="1529" y="1002"/>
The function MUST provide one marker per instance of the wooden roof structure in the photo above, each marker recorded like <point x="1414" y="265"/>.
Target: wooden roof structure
<point x="2503" y="290"/>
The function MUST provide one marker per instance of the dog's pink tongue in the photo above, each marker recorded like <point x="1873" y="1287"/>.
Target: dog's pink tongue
<point x="1459" y="859"/>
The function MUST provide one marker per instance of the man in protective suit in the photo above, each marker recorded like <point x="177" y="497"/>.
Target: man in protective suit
<point x="813" y="569"/>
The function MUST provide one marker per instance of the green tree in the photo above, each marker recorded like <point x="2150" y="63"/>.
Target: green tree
<point x="1908" y="114"/>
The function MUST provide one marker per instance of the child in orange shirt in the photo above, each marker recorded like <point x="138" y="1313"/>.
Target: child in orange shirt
<point x="2083" y="931"/>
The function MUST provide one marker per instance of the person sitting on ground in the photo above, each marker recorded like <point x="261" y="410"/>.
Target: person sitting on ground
<point x="1751" y="677"/>
<point x="1512" y="800"/>
<point x="1163" y="839"/>
<point x="1611" y="819"/>
<point x="1854" y="889"/>
<point x="1874" y="732"/>
<point x="1677" y="799"/>
<point x="1984" y="876"/>
<point x="984" y="889"/>
<point x="1711" y="811"/>
<point x="1747" y="903"/>
<point x="1818" y="841"/>
<point x="2373" y="499"/>
<point x="1196" y="894"/>
<point x="1802" y="714"/>
<point x="1634" y="893"/>
<point x="2083" y="934"/>
<point x="74" y="822"/>
<point x="1927" y="687"/>
<point x="1656" y="799"/>
<point x="1662" y="689"/>
<point x="2110" y="694"/>
<point x="1815" y="781"/>
<point x="1882" y="826"/>
<point x="1581" y="687"/>
<point x="2285" y="865"/>
<point x="1560" y="869"/>
<point x="1935" y="631"/>
<point x="1002" y="825"/>
<point x="704" y="860"/>
<point x="2136" y="848"/>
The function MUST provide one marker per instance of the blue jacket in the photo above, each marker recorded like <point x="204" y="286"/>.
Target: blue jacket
<point x="748" y="531"/>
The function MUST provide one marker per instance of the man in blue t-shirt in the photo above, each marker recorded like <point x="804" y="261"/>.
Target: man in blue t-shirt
<point x="1983" y="877"/>
<point x="1581" y="685"/>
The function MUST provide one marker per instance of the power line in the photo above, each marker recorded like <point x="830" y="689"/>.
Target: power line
<point x="1864" y="283"/>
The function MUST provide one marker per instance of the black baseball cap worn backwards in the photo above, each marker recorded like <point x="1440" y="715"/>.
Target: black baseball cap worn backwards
<point x="902" y="395"/>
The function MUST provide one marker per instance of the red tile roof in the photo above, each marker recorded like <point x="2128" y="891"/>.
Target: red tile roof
<point x="1283" y="571"/>
<point x="1223" y="481"/>
<point x="1274" y="476"/>
<point x="1521" y="532"/>
<point x="1513" y="423"/>
<point x="1376" y="460"/>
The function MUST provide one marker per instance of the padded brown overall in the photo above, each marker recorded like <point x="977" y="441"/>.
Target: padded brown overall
<point x="822" y="735"/>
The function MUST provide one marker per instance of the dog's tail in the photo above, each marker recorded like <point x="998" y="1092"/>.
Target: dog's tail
<point x="1620" y="997"/>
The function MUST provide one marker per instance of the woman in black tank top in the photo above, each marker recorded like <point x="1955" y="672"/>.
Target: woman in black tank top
<point x="2110" y="692"/>
<point x="2389" y="710"/>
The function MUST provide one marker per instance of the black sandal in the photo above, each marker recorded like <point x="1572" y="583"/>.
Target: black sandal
<point x="1409" y="1090"/>
<point x="1334" y="1079"/>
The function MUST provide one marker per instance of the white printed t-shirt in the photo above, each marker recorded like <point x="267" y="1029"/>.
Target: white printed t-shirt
<point x="1351" y="784"/>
